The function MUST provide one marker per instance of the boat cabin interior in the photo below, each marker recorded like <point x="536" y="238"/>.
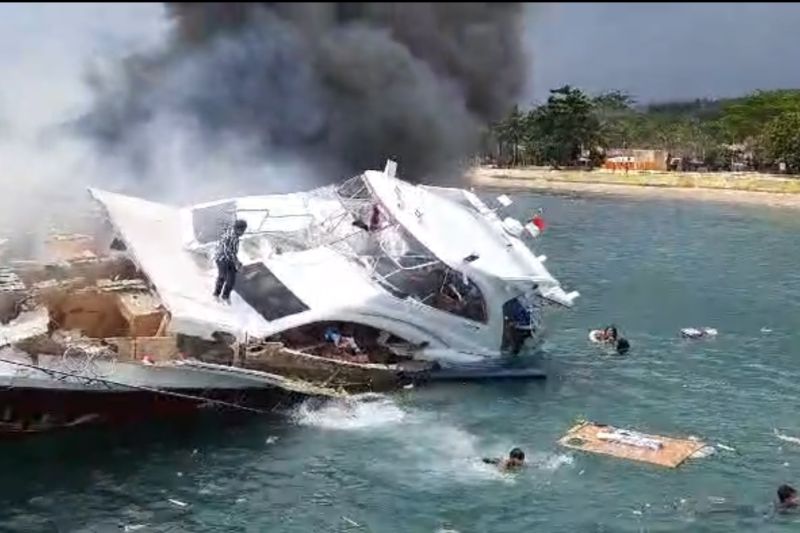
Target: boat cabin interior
<point x="346" y="341"/>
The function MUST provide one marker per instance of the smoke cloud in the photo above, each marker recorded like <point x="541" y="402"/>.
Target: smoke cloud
<point x="44" y="167"/>
<point x="312" y="93"/>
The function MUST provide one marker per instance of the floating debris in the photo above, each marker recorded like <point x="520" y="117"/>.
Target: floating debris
<point x="351" y="522"/>
<point x="786" y="438"/>
<point x="698" y="333"/>
<point x="632" y="445"/>
<point x="178" y="503"/>
<point x="702" y="453"/>
<point x="272" y="439"/>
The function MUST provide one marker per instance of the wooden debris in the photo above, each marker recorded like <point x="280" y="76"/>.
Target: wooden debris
<point x="654" y="449"/>
<point x="143" y="312"/>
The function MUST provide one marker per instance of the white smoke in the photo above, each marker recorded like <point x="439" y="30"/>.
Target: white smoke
<point x="52" y="54"/>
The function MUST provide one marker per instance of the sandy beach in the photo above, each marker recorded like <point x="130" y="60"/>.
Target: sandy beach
<point x="712" y="187"/>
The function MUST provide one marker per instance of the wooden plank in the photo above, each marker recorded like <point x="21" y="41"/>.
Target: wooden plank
<point x="672" y="453"/>
<point x="143" y="313"/>
<point x="157" y="349"/>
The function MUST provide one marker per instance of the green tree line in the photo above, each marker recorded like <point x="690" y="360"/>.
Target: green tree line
<point x="758" y="132"/>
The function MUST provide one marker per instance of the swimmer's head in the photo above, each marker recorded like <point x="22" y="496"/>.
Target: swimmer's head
<point x="516" y="457"/>
<point x="623" y="346"/>
<point x="787" y="495"/>
<point x="240" y="226"/>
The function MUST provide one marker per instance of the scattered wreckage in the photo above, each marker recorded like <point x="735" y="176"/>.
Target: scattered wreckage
<point x="632" y="445"/>
<point x="362" y="286"/>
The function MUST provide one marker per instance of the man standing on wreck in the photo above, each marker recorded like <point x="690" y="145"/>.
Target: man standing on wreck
<point x="227" y="260"/>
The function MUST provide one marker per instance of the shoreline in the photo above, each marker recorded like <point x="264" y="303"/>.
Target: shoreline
<point x="709" y="187"/>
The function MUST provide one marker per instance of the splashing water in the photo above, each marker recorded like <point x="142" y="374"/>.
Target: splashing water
<point x="357" y="412"/>
<point x="431" y="449"/>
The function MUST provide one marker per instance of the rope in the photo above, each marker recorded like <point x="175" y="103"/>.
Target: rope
<point x="105" y="381"/>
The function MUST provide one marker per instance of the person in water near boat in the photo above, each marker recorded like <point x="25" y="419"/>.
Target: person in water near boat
<point x="227" y="260"/>
<point x="787" y="498"/>
<point x="610" y="336"/>
<point x="516" y="459"/>
<point x="606" y="335"/>
<point x="622" y="346"/>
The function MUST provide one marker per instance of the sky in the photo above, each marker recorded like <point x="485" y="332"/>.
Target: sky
<point x="663" y="51"/>
<point x="656" y="51"/>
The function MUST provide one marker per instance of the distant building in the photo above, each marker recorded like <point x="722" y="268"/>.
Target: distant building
<point x="635" y="159"/>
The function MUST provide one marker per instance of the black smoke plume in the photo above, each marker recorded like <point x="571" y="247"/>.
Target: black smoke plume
<point x="340" y="86"/>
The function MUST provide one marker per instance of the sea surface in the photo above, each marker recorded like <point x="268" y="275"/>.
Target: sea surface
<point x="410" y="462"/>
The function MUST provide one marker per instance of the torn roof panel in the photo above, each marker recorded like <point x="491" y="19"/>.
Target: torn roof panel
<point x="431" y="214"/>
<point x="321" y="280"/>
<point x="153" y="235"/>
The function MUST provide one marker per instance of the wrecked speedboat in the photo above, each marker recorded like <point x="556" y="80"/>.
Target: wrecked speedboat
<point x="83" y="342"/>
<point x="400" y="272"/>
<point x="362" y="286"/>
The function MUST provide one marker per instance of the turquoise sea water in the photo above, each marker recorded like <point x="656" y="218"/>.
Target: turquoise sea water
<point x="410" y="462"/>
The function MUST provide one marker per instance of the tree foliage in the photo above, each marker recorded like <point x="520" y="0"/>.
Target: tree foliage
<point x="757" y="129"/>
<point x="781" y="140"/>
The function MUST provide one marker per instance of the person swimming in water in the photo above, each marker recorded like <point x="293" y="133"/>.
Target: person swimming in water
<point x="787" y="498"/>
<point x="622" y="346"/>
<point x="607" y="335"/>
<point x="515" y="460"/>
<point x="610" y="337"/>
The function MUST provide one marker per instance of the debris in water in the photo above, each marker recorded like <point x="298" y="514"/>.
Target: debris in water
<point x="409" y="386"/>
<point x="180" y="474"/>
<point x="786" y="438"/>
<point x="272" y="439"/>
<point x="241" y="500"/>
<point x="766" y="330"/>
<point x="726" y="448"/>
<point x="133" y="527"/>
<point x="698" y="333"/>
<point x="702" y="453"/>
<point x="351" y="522"/>
<point x="632" y="445"/>
<point x="178" y="503"/>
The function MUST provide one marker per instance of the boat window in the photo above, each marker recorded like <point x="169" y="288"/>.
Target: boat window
<point x="354" y="189"/>
<point x="209" y="222"/>
<point x="265" y="293"/>
<point x="403" y="265"/>
<point x="432" y="283"/>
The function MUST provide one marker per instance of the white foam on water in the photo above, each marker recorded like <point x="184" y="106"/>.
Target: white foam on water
<point x="551" y="462"/>
<point x="431" y="448"/>
<point x="786" y="438"/>
<point x="354" y="413"/>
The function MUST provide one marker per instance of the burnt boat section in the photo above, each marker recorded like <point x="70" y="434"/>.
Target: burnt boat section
<point x="368" y="285"/>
